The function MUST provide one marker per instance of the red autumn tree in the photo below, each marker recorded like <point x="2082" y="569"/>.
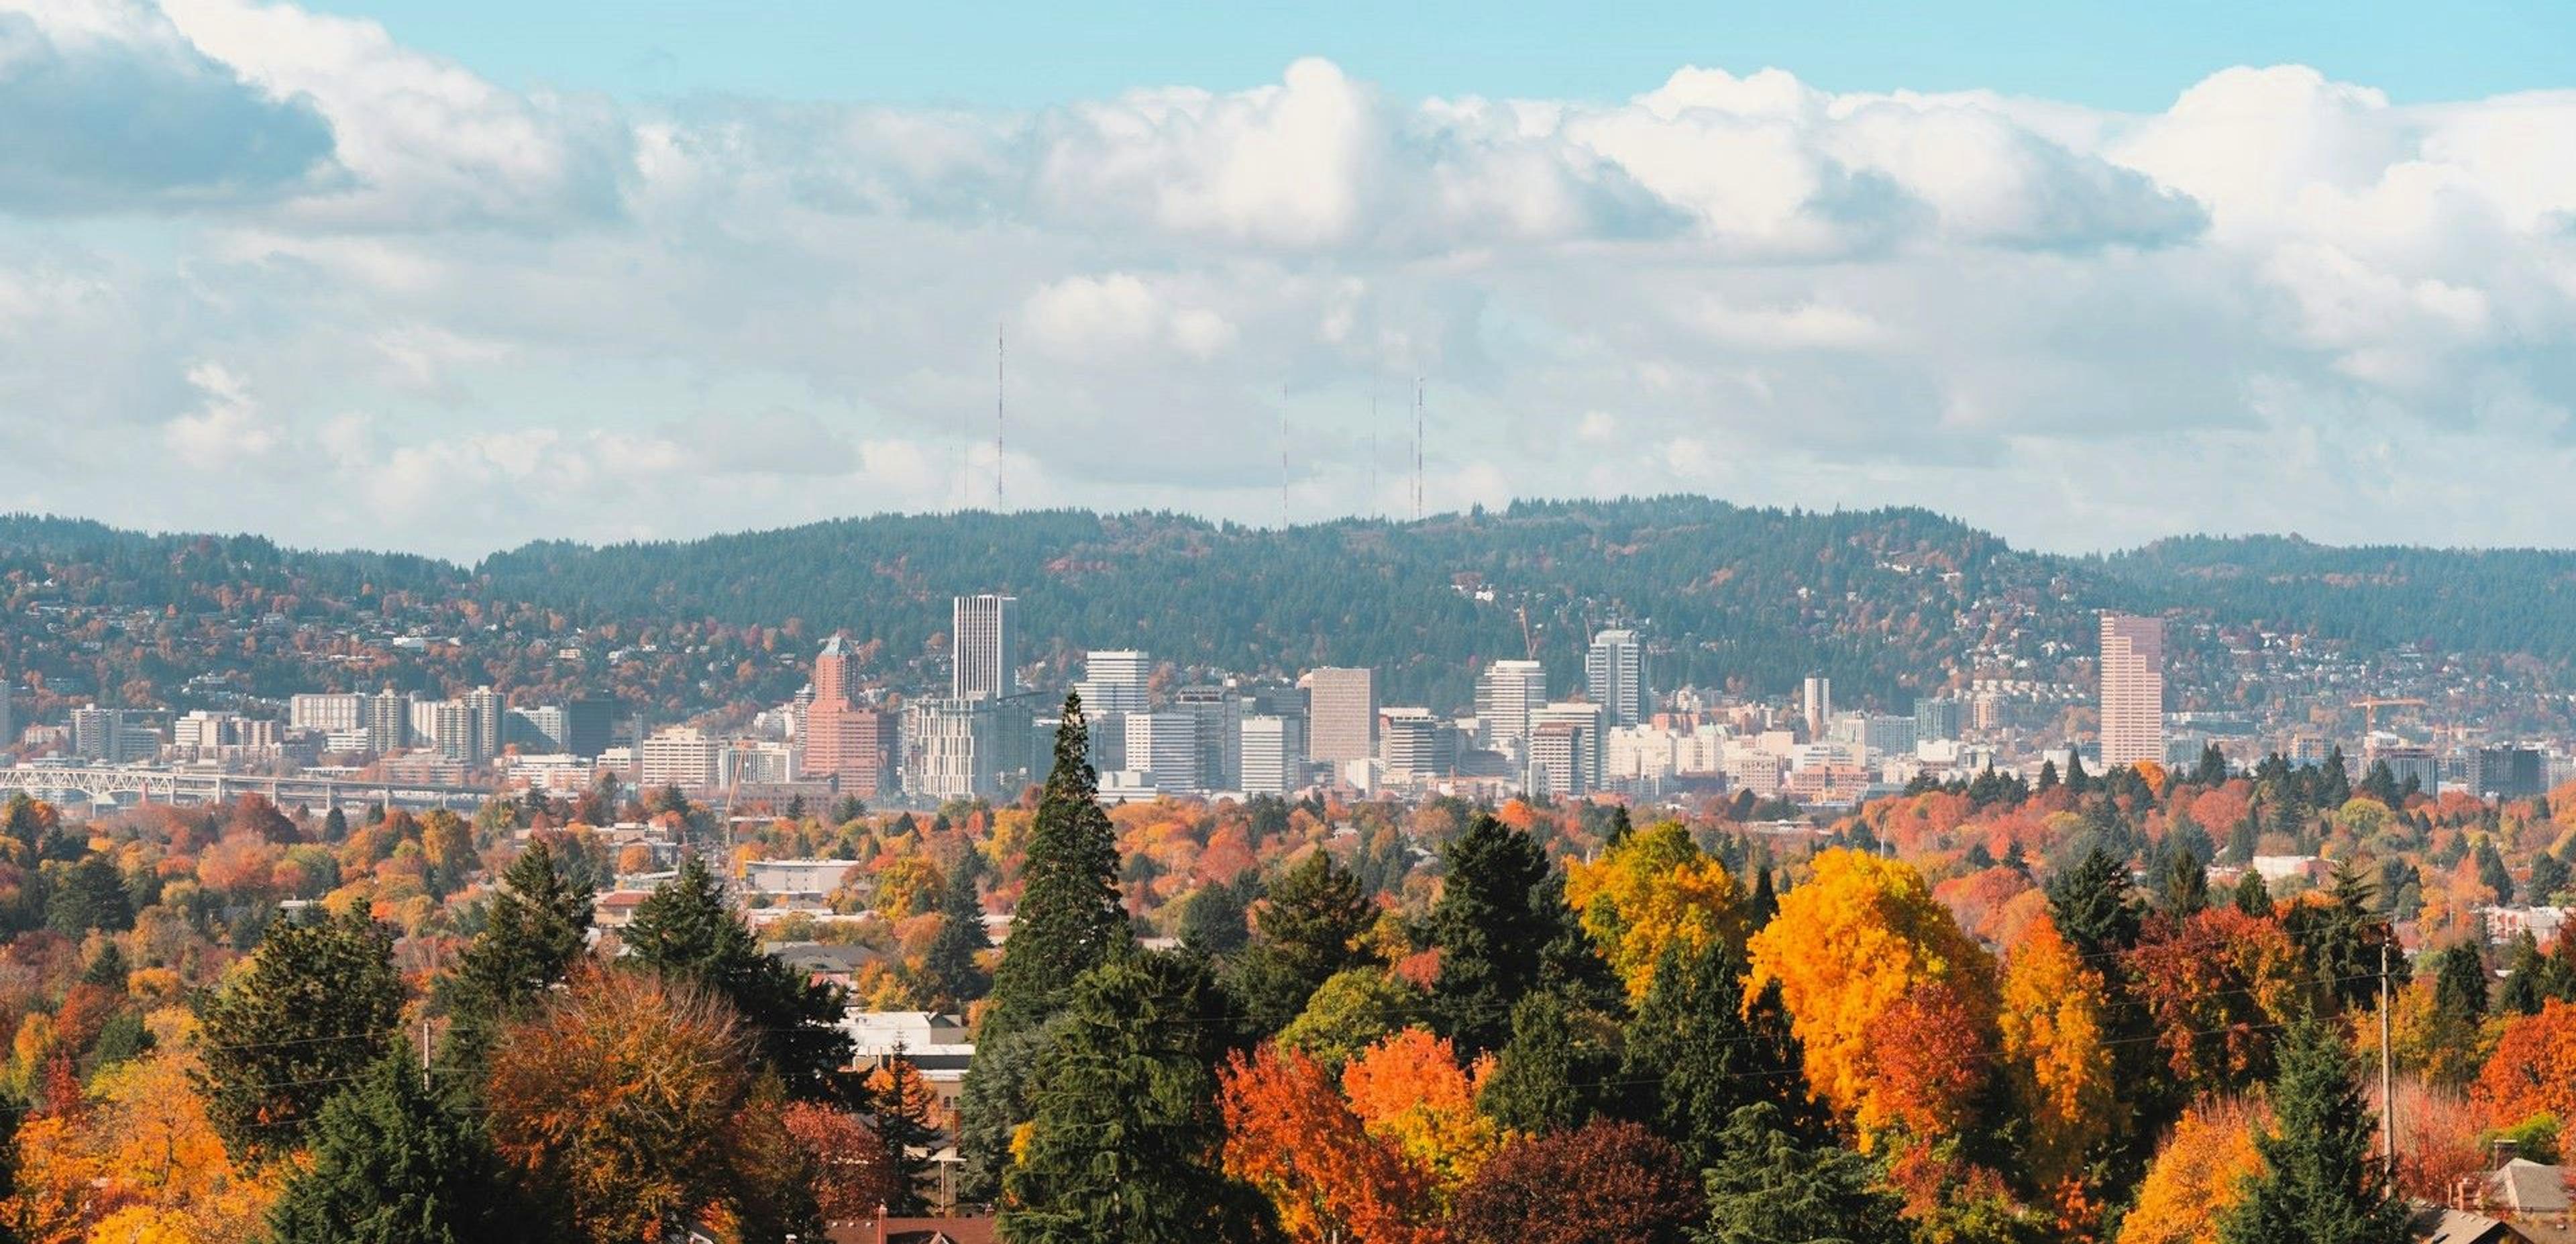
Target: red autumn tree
<point x="1290" y="1134"/>
<point x="2533" y="1069"/>
<point x="1601" y="1181"/>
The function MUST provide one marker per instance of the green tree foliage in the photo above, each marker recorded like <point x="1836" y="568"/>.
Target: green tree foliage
<point x="392" y="1164"/>
<point x="2320" y="1183"/>
<point x="533" y="933"/>
<point x="2093" y="906"/>
<point x="1493" y="924"/>
<point x="1771" y="1185"/>
<point x="316" y="1007"/>
<point x="1069" y="919"/>
<point x="995" y="1103"/>
<point x="686" y="930"/>
<point x="1310" y="923"/>
<point x="2252" y="896"/>
<point x="1123" y="1140"/>
<point x="2460" y="983"/>
<point x="1558" y="1071"/>
<point x="1349" y="1012"/>
<point x="1212" y="921"/>
<point x="89" y="894"/>
<point x="1695" y="1053"/>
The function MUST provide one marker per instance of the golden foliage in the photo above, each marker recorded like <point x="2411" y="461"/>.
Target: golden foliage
<point x="2050" y="1024"/>
<point x="1655" y="891"/>
<point x="2198" y="1176"/>
<point x="1846" y="949"/>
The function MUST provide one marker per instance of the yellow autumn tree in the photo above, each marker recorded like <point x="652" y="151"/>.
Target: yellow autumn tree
<point x="138" y="1160"/>
<point x="2050" y="1026"/>
<point x="1861" y="940"/>
<point x="1650" y="892"/>
<point x="2198" y="1176"/>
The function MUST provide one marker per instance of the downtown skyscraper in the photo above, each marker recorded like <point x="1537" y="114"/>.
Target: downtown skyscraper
<point x="2133" y="689"/>
<point x="984" y="638"/>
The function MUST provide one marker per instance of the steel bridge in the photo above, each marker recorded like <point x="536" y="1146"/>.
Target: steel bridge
<point x="119" y="784"/>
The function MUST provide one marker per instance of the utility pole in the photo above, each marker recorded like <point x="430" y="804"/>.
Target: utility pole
<point x="424" y="1053"/>
<point x="2387" y="1074"/>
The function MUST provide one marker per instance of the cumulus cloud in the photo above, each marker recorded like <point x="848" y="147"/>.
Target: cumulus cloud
<point x="406" y="305"/>
<point x="106" y="106"/>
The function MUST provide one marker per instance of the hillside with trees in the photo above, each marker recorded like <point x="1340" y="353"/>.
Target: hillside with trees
<point x="1890" y="603"/>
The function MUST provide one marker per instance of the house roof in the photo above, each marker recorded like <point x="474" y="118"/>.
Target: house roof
<point x="2528" y="1187"/>
<point x="914" y="1231"/>
<point x="2452" y="1226"/>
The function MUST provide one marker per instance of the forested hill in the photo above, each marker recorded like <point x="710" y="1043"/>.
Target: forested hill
<point x="2455" y="600"/>
<point x="1882" y="599"/>
<point x="1889" y="602"/>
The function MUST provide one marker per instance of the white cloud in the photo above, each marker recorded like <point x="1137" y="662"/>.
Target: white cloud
<point x="466" y="315"/>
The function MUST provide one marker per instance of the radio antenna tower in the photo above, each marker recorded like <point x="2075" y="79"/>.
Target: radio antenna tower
<point x="1283" y="469"/>
<point x="998" y="359"/>
<point x="1417" y="449"/>
<point x="1372" y="492"/>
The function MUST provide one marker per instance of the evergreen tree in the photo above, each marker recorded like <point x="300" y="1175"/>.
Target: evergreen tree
<point x="1765" y="902"/>
<point x="2092" y="906"/>
<point x="2078" y="782"/>
<point x="2321" y="1183"/>
<point x="1122" y="1142"/>
<point x="2212" y="769"/>
<point x="1557" y="1070"/>
<point x="2380" y="783"/>
<point x="687" y="930"/>
<point x="314" y="1010"/>
<point x="1069" y="919"/>
<point x="1695" y="1054"/>
<point x="993" y="1105"/>
<point x="2253" y="897"/>
<point x="335" y="826"/>
<point x="2334" y="782"/>
<point x="2048" y="778"/>
<point x="905" y="1110"/>
<point x="952" y="974"/>
<point x="1310" y="924"/>
<point x="1212" y="921"/>
<point x="2185" y="886"/>
<point x="2460" y="983"/>
<point x="2531" y="978"/>
<point x="534" y="931"/>
<point x="89" y="895"/>
<point x="2341" y="939"/>
<point x="392" y="1165"/>
<point x="1494" y="922"/>
<point x="1771" y="1185"/>
<point x="2493" y="874"/>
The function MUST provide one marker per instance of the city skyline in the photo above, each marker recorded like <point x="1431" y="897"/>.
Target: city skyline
<point x="396" y="301"/>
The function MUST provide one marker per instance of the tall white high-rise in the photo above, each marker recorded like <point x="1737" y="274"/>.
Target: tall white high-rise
<point x="1584" y="720"/>
<point x="326" y="711"/>
<point x="1165" y="746"/>
<point x="1114" y="681"/>
<point x="2133" y="689"/>
<point x="984" y="637"/>
<point x="1614" y="672"/>
<point x="1817" y="703"/>
<point x="1274" y="760"/>
<point x="1505" y="693"/>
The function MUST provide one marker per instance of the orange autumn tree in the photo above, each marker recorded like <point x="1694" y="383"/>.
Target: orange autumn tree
<point x="1290" y="1134"/>
<point x="1410" y="1091"/>
<point x="2216" y="986"/>
<point x="1855" y="943"/>
<point x="2050" y="1024"/>
<point x="2198" y="1176"/>
<point x="1654" y="890"/>
<point x="2533" y="1069"/>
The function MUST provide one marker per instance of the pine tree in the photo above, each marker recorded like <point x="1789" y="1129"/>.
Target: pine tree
<point x="1123" y="1139"/>
<point x="2185" y="886"/>
<point x="1310" y="923"/>
<point x="952" y="974"/>
<point x="533" y="933"/>
<point x="2320" y="1182"/>
<point x="1493" y="924"/>
<point x="1770" y="1185"/>
<point x="2253" y="897"/>
<point x="686" y="930"/>
<point x="1695" y="1053"/>
<point x="392" y="1165"/>
<point x="1557" y="1070"/>
<point x="905" y="1109"/>
<point x="2092" y="906"/>
<point x="315" y="1009"/>
<point x="1069" y="919"/>
<point x="2212" y="769"/>
<point x="2460" y="984"/>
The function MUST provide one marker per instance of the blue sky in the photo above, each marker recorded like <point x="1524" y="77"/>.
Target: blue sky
<point x="2131" y="56"/>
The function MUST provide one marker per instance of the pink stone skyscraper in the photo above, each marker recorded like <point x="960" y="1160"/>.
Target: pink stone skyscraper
<point x="843" y="740"/>
<point x="2133" y="689"/>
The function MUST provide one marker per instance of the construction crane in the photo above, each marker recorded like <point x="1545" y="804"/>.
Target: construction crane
<point x="1529" y="639"/>
<point x="2370" y="706"/>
